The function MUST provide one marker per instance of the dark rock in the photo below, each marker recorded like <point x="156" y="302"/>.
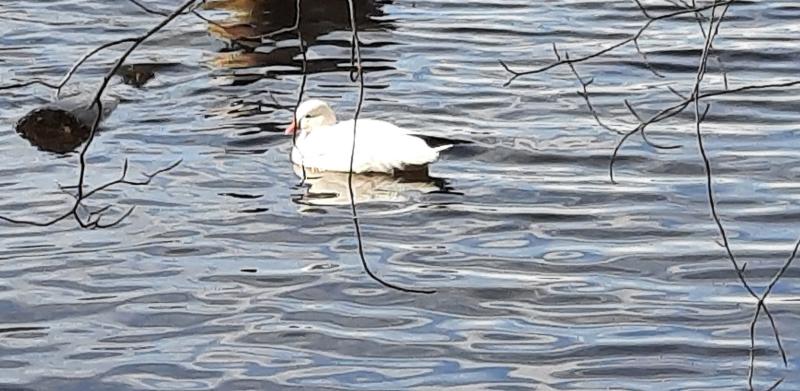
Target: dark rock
<point x="61" y="126"/>
<point x="53" y="129"/>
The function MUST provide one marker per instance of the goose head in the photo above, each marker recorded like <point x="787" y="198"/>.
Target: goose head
<point x="311" y="114"/>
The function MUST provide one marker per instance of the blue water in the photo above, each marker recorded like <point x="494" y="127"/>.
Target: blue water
<point x="232" y="275"/>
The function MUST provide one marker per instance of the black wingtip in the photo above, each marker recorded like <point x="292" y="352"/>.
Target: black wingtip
<point x="434" y="141"/>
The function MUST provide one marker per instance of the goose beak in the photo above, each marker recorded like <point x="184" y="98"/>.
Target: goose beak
<point x="292" y="128"/>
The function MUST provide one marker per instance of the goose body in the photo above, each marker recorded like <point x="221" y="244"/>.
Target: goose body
<point x="324" y="144"/>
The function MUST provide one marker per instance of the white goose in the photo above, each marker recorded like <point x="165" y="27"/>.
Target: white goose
<point x="325" y="145"/>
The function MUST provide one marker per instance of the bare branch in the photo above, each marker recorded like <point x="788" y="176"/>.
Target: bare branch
<point x="304" y="54"/>
<point x="678" y="108"/>
<point x="692" y="99"/>
<point x="644" y="10"/>
<point x="713" y="30"/>
<point x="644" y="134"/>
<point x="97" y="223"/>
<point x="96" y="102"/>
<point x="634" y="37"/>
<point x="585" y="95"/>
<point x="27" y="84"/>
<point x="775" y="385"/>
<point x="85" y="57"/>
<point x="358" y="73"/>
<point x="122" y="180"/>
<point x="644" y="59"/>
<point x="165" y="13"/>
<point x="555" y="51"/>
<point x="678" y="94"/>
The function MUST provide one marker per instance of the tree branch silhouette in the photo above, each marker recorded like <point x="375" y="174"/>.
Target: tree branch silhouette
<point x="94" y="219"/>
<point x="717" y="10"/>
<point x="357" y="74"/>
<point x="631" y="39"/>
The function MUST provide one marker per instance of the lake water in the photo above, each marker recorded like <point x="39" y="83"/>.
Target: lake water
<point x="230" y="274"/>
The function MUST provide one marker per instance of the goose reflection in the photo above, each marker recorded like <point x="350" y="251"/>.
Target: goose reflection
<point x="324" y="188"/>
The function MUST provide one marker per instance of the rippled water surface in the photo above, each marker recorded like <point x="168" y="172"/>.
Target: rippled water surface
<point x="232" y="275"/>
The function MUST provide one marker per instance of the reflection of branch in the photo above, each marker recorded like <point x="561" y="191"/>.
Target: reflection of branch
<point x="81" y="194"/>
<point x="357" y="72"/>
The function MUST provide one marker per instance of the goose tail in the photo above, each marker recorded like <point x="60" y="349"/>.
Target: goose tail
<point x="442" y="148"/>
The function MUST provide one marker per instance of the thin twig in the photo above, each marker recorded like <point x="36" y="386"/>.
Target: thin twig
<point x="645" y="60"/>
<point x="298" y="122"/>
<point x="775" y="385"/>
<point x="96" y="102"/>
<point x="99" y="93"/>
<point x="27" y="84"/>
<point x="585" y="94"/>
<point x="702" y="67"/>
<point x="639" y="49"/>
<point x="635" y="36"/>
<point x="643" y="133"/>
<point x="85" y="57"/>
<point x="693" y="98"/>
<point x="123" y="180"/>
<point x="358" y="72"/>
<point x="679" y="107"/>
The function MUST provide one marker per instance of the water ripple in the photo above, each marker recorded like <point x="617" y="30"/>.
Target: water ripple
<point x="232" y="275"/>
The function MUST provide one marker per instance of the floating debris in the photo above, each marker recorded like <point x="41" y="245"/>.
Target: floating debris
<point x="138" y="75"/>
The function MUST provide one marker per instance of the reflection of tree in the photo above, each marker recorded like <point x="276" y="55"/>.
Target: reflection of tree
<point x="251" y="32"/>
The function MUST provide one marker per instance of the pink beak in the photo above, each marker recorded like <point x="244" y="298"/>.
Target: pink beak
<point x="292" y="128"/>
